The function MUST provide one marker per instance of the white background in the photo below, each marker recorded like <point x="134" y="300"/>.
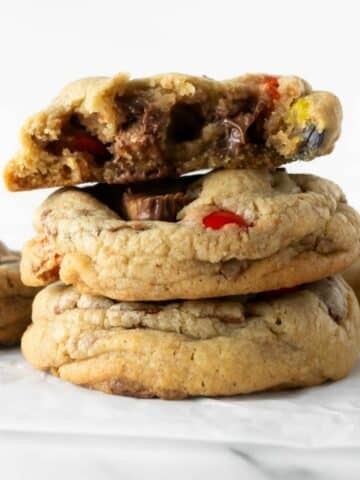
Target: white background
<point x="45" y="44"/>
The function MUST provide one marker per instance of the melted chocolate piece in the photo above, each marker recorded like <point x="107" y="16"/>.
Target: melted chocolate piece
<point x="132" y="107"/>
<point x="156" y="133"/>
<point x="186" y="123"/>
<point x="141" y="121"/>
<point x="154" y="200"/>
<point x="137" y="206"/>
<point x="245" y="126"/>
<point x="127" y="173"/>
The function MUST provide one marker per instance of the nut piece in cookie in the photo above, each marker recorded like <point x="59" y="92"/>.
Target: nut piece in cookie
<point x="117" y="130"/>
<point x="215" y="347"/>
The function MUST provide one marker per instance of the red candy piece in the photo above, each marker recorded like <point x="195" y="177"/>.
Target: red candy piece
<point x="272" y="85"/>
<point x="82" y="142"/>
<point x="217" y="220"/>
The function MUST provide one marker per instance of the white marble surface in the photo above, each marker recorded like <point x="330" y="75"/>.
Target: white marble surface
<point x="78" y="457"/>
<point x="57" y="430"/>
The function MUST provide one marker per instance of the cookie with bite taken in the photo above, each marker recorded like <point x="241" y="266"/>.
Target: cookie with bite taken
<point x="121" y="130"/>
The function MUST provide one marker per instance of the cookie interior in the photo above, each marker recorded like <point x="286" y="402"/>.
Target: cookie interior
<point x="165" y="126"/>
<point x="159" y="132"/>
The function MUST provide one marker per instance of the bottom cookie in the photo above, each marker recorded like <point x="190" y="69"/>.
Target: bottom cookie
<point x="15" y="299"/>
<point x="173" y="350"/>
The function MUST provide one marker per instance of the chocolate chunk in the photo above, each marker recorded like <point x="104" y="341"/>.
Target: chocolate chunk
<point x="186" y="123"/>
<point x="127" y="173"/>
<point x="246" y="126"/>
<point x="235" y="134"/>
<point x="139" y="138"/>
<point x="132" y="108"/>
<point x="138" y="206"/>
<point x="154" y="200"/>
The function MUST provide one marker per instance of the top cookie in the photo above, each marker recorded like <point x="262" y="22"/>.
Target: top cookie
<point x="117" y="130"/>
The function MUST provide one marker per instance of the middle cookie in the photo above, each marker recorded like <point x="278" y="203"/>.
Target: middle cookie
<point x="226" y="233"/>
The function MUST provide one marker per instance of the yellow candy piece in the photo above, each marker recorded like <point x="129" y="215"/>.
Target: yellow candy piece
<point x="299" y="112"/>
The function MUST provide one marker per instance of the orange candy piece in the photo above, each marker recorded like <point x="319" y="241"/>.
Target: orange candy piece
<point x="272" y="85"/>
<point x="83" y="142"/>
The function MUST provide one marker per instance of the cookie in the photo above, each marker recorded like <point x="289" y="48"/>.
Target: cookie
<point x="196" y="348"/>
<point x="15" y="299"/>
<point x="352" y="276"/>
<point x="117" y="130"/>
<point x="241" y="231"/>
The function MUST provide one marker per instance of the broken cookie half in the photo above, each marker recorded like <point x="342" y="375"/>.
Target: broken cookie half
<point x="117" y="130"/>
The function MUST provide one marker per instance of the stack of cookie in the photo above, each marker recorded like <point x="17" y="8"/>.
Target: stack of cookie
<point x="180" y="285"/>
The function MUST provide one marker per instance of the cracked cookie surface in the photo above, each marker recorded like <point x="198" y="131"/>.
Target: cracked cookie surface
<point x="15" y="298"/>
<point x="117" y="130"/>
<point x="243" y="231"/>
<point x="196" y="348"/>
